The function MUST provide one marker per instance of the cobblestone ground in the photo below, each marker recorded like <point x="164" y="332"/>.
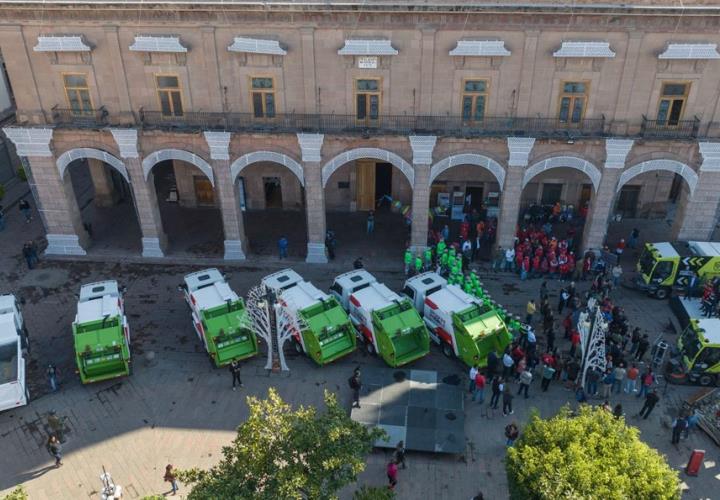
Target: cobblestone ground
<point x="180" y="410"/>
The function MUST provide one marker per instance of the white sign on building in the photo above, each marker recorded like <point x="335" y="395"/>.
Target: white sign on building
<point x="368" y="62"/>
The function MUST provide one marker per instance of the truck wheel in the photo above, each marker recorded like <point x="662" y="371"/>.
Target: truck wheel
<point x="447" y="350"/>
<point x="706" y="380"/>
<point x="662" y="294"/>
<point x="370" y="348"/>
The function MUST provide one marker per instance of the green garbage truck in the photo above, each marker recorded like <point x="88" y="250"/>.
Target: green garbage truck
<point x="219" y="317"/>
<point x="389" y="325"/>
<point x="320" y="327"/>
<point x="697" y="359"/>
<point x="101" y="333"/>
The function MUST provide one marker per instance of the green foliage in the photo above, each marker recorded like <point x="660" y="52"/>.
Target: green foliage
<point x="287" y="453"/>
<point x="589" y="456"/>
<point x="374" y="493"/>
<point x="18" y="493"/>
<point x="21" y="174"/>
<point x="154" y="497"/>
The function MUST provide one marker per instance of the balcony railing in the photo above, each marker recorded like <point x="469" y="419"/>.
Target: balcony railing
<point x="452" y="126"/>
<point x="683" y="129"/>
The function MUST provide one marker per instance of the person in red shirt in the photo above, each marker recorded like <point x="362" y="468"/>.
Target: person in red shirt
<point x="479" y="391"/>
<point x="587" y="265"/>
<point x="535" y="267"/>
<point x="553" y="266"/>
<point x="619" y="249"/>
<point x="544" y="266"/>
<point x="464" y="230"/>
<point x="392" y="471"/>
<point x="517" y="354"/>
<point x="574" y="341"/>
<point x="480" y="228"/>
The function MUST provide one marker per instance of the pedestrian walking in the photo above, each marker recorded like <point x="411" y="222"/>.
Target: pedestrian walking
<point x="33" y="252"/>
<point x="679" y="426"/>
<point x="399" y="454"/>
<point x="55" y="449"/>
<point x="547" y="375"/>
<point x="650" y="401"/>
<point x="355" y="384"/>
<point x="498" y="387"/>
<point x="507" y="398"/>
<point x="392" y="471"/>
<point x="479" y="392"/>
<point x="525" y="380"/>
<point x="52" y="375"/>
<point x="543" y="291"/>
<point x="564" y="296"/>
<point x="619" y="374"/>
<point x="642" y="347"/>
<point x="634" y="340"/>
<point x="492" y="363"/>
<point x="507" y="364"/>
<point x="646" y="381"/>
<point x="471" y="378"/>
<point x="408" y="260"/>
<point x="608" y="382"/>
<point x="283" y="247"/>
<point x="616" y="274"/>
<point x="511" y="434"/>
<point x="574" y="341"/>
<point x="593" y="377"/>
<point x="24" y="207"/>
<point x="234" y="370"/>
<point x="634" y="235"/>
<point x="330" y="243"/>
<point x="510" y="259"/>
<point x="530" y="311"/>
<point x="27" y="254"/>
<point x="631" y="379"/>
<point x="169" y="477"/>
<point x="371" y="222"/>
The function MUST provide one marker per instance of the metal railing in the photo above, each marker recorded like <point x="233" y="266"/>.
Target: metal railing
<point x="682" y="129"/>
<point x="92" y="118"/>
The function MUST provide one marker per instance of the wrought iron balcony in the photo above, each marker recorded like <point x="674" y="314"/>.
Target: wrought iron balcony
<point x="683" y="129"/>
<point x="77" y="118"/>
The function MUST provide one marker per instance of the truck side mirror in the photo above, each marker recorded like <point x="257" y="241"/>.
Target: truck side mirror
<point x="180" y="288"/>
<point x="227" y="276"/>
<point x="123" y="289"/>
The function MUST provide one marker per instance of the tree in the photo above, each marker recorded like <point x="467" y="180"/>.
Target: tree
<point x="591" y="455"/>
<point x="374" y="493"/>
<point x="18" y="493"/>
<point x="281" y="452"/>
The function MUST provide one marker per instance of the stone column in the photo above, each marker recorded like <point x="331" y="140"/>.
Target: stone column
<point x="697" y="213"/>
<point x="235" y="242"/>
<point x="55" y="197"/>
<point x="519" y="149"/>
<point x="105" y="194"/>
<point x="422" y="147"/>
<point x="311" y="146"/>
<point x="154" y="240"/>
<point x="601" y="205"/>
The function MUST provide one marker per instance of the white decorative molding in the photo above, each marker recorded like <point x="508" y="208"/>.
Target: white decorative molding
<point x="311" y="146"/>
<point x="180" y="155"/>
<point x="63" y="244"/>
<point x="375" y="153"/>
<point x="30" y="141"/>
<point x="271" y="156"/>
<point x="616" y="151"/>
<point x="219" y="144"/>
<point x="710" y="152"/>
<point x="127" y="141"/>
<point x="62" y="43"/>
<point x="422" y="148"/>
<point x="367" y="48"/>
<point x="520" y="148"/>
<point x="154" y="43"/>
<point x="152" y="248"/>
<point x="257" y="46"/>
<point x="68" y="157"/>
<point x="234" y="250"/>
<point x="564" y="162"/>
<point x="469" y="159"/>
<point x="690" y="51"/>
<point x="480" y="48"/>
<point x="674" y="166"/>
<point x="584" y="49"/>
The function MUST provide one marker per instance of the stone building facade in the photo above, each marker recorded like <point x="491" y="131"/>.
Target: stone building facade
<point x="301" y="106"/>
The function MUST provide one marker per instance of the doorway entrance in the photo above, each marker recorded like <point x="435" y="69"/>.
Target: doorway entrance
<point x="273" y="192"/>
<point x="628" y="201"/>
<point x="204" y="194"/>
<point x="474" y="198"/>
<point x="374" y="184"/>
<point x="585" y="194"/>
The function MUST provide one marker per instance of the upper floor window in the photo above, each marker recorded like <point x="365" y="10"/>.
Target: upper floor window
<point x="474" y="98"/>
<point x="573" y="99"/>
<point x="263" y="97"/>
<point x="367" y="100"/>
<point x="673" y="97"/>
<point x="169" y="95"/>
<point x="77" y="93"/>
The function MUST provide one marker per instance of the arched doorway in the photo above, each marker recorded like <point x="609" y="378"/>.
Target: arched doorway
<point x="647" y="198"/>
<point x="100" y="186"/>
<point x="556" y="197"/>
<point x="188" y="201"/>
<point x="357" y="182"/>
<point x="271" y="194"/>
<point x="467" y="187"/>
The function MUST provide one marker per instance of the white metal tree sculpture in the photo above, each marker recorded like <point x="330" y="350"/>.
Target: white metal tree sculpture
<point x="287" y="325"/>
<point x="594" y="344"/>
<point x="258" y="308"/>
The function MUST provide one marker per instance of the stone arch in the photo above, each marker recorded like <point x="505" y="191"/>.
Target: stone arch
<point x="177" y="154"/>
<point x="674" y="166"/>
<point x="469" y="159"/>
<point x="76" y="154"/>
<point x="270" y="156"/>
<point x="358" y="153"/>
<point x="564" y="162"/>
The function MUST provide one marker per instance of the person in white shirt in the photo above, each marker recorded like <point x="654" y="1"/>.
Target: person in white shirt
<point x="473" y="373"/>
<point x="510" y="259"/>
<point x="508" y="363"/>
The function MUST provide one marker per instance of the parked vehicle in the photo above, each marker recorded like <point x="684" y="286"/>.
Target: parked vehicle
<point x="697" y="359"/>
<point x="348" y="283"/>
<point x="13" y="348"/>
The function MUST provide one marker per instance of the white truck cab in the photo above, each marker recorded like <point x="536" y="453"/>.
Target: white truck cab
<point x="348" y="283"/>
<point x="13" y="346"/>
<point x="282" y="280"/>
<point x="204" y="290"/>
<point x="420" y="286"/>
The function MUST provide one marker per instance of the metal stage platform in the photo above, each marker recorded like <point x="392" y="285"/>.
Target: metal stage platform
<point x="420" y="407"/>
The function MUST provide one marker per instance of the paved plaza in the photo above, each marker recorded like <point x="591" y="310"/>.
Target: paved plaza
<point x="178" y="409"/>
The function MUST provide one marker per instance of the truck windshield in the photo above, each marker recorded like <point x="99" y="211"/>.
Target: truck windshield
<point x="474" y="312"/>
<point x="647" y="262"/>
<point x="690" y="343"/>
<point x="221" y="311"/>
<point x="8" y="363"/>
<point x="98" y="325"/>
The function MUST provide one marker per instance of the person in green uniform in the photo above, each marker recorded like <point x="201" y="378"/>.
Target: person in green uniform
<point x="468" y="287"/>
<point x="428" y="258"/>
<point x="444" y="260"/>
<point x="408" y="261"/>
<point x="441" y="246"/>
<point x="418" y="265"/>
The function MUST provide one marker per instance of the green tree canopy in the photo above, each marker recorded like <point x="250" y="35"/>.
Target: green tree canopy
<point x="588" y="456"/>
<point x="287" y="453"/>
